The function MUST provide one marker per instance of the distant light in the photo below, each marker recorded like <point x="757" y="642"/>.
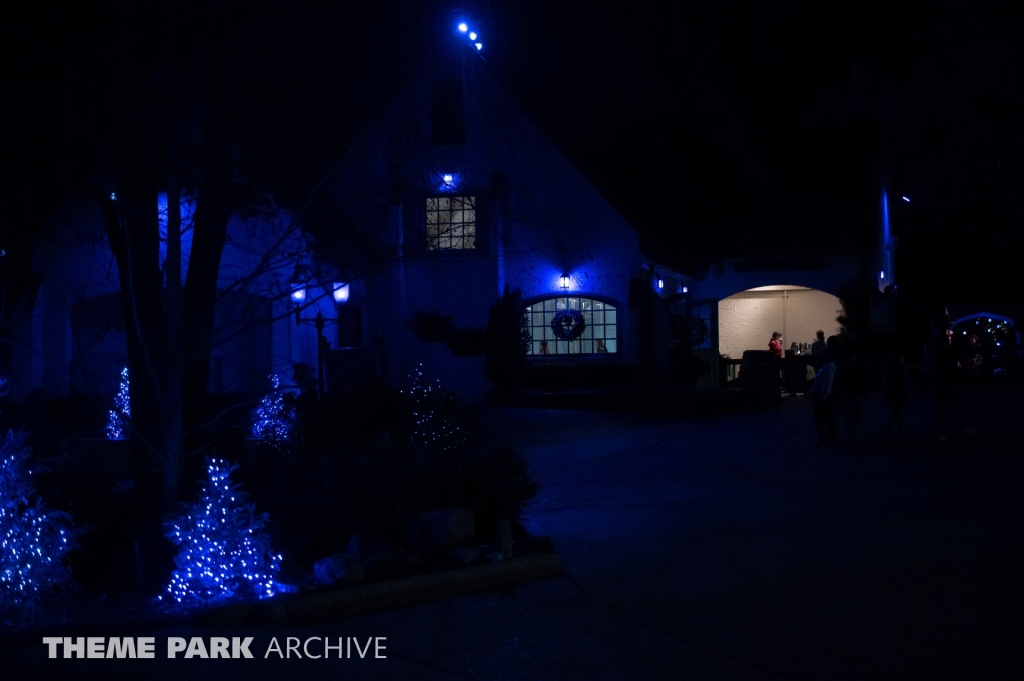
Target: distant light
<point x="881" y="274"/>
<point x="298" y="294"/>
<point x="463" y="28"/>
<point x="472" y="36"/>
<point x="340" y="292"/>
<point x="479" y="46"/>
<point x="965" y="333"/>
<point x="113" y="196"/>
<point x="686" y="289"/>
<point x="905" y="199"/>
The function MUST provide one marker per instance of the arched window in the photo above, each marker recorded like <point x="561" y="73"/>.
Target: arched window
<point x="599" y="335"/>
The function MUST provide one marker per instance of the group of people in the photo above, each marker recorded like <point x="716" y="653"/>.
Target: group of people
<point x="839" y="387"/>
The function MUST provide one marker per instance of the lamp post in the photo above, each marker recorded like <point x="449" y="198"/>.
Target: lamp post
<point x="339" y="293"/>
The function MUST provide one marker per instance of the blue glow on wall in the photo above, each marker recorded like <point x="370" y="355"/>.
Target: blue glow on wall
<point x="188" y="210"/>
<point x="885" y="216"/>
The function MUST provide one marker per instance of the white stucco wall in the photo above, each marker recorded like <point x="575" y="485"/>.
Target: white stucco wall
<point x="746" y="320"/>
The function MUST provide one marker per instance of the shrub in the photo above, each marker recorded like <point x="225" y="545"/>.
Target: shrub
<point x="33" y="539"/>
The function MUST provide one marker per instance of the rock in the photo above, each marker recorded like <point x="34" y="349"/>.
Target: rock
<point x="440" y="529"/>
<point x="337" y="570"/>
<point x="371" y="551"/>
<point x="464" y="556"/>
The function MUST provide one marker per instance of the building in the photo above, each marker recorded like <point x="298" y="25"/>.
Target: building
<point x="463" y="195"/>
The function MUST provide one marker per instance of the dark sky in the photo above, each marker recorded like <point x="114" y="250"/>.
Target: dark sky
<point x="725" y="128"/>
<point x="714" y="128"/>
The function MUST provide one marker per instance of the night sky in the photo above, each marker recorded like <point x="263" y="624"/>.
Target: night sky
<point x="715" y="129"/>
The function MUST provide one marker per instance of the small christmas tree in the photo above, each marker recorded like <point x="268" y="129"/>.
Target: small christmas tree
<point x="274" y="418"/>
<point x="33" y="539"/>
<point x="435" y="427"/>
<point x="223" y="549"/>
<point x="121" y="414"/>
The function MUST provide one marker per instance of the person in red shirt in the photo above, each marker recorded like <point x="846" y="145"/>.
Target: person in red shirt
<point x="775" y="344"/>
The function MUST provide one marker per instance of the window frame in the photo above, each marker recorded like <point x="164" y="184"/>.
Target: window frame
<point x="616" y="356"/>
<point x="424" y="239"/>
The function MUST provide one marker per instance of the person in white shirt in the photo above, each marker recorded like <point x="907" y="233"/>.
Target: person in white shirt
<point x="819" y="346"/>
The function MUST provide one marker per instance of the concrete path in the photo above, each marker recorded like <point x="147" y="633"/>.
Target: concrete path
<point x="720" y="547"/>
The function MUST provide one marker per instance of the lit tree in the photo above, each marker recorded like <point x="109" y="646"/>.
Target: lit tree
<point x="223" y="549"/>
<point x="435" y="429"/>
<point x="33" y="539"/>
<point x="274" y="418"/>
<point x="122" y="411"/>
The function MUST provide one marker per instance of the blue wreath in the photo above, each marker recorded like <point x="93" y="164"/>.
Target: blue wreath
<point x="568" y="325"/>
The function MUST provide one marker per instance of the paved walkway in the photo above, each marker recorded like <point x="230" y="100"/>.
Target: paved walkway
<point x="719" y="547"/>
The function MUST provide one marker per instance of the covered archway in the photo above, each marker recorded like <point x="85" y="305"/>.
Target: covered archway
<point x="746" y="320"/>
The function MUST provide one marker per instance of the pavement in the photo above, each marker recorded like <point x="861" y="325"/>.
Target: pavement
<point x="720" y="546"/>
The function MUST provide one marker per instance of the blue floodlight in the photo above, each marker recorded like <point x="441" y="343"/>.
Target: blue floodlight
<point x="472" y="36"/>
<point x="906" y="199"/>
<point x="479" y="46"/>
<point x="463" y="28"/>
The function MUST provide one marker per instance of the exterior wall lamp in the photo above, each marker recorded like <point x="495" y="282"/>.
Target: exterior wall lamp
<point x="340" y="293"/>
<point x="661" y="283"/>
<point x="563" y="282"/>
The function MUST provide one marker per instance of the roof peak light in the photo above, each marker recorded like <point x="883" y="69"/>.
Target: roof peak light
<point x="463" y="28"/>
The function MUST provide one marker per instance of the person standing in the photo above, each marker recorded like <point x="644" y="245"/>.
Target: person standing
<point x="946" y="370"/>
<point x="775" y="344"/>
<point x="822" y="399"/>
<point x="897" y="392"/>
<point x="818" y="346"/>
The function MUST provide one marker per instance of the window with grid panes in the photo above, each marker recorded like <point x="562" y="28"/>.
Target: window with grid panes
<point x="599" y="333"/>
<point x="451" y="223"/>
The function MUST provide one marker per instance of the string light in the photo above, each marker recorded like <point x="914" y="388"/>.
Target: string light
<point x="274" y="418"/>
<point x="33" y="539"/>
<point x="121" y="414"/>
<point x="223" y="549"/>
<point x="435" y="429"/>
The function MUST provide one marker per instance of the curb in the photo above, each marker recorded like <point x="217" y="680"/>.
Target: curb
<point x="327" y="605"/>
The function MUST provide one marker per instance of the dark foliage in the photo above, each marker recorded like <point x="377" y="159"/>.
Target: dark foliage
<point x="508" y="340"/>
<point x="432" y="327"/>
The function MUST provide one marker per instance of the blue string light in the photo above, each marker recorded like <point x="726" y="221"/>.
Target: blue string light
<point x="223" y="549"/>
<point x="274" y="418"/>
<point x="121" y="414"/>
<point x="435" y="429"/>
<point x="33" y="539"/>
